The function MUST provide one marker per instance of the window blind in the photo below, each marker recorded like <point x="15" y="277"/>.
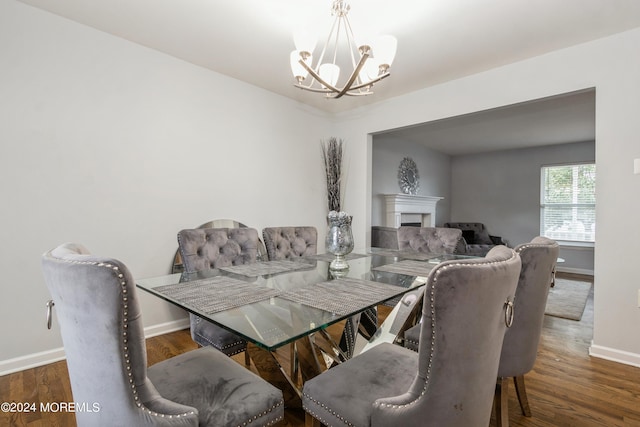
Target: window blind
<point x="568" y="202"/>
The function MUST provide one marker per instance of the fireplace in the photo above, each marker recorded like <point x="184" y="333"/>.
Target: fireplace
<point x="405" y="209"/>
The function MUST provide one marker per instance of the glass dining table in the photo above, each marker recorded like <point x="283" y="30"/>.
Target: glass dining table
<point x="274" y="303"/>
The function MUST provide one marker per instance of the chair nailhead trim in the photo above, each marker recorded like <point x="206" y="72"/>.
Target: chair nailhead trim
<point x="427" y="378"/>
<point x="223" y="349"/>
<point x="325" y="407"/>
<point x="416" y="343"/>
<point x="350" y="339"/>
<point x="433" y="326"/>
<point x="532" y="245"/>
<point x="125" y="347"/>
<point x="263" y="413"/>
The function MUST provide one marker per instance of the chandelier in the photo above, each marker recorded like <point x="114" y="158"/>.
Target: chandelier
<point x="370" y="60"/>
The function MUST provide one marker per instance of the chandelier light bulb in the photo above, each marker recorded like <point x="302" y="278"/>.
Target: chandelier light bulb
<point x="371" y="69"/>
<point x="384" y="50"/>
<point x="305" y="40"/>
<point x="299" y="72"/>
<point x="330" y="73"/>
<point x="364" y="42"/>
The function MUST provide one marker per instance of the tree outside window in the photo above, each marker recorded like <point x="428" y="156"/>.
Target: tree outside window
<point x="568" y="202"/>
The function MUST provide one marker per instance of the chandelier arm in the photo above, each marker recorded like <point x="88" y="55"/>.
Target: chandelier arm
<point x="328" y="91"/>
<point x="377" y="79"/>
<point x="336" y="39"/>
<point x="351" y="40"/>
<point x="326" y="43"/>
<point x="317" y="77"/>
<point x="313" y="89"/>
<point x="353" y="94"/>
<point x="354" y="75"/>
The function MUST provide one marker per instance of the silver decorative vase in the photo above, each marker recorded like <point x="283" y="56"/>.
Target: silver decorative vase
<point x="339" y="240"/>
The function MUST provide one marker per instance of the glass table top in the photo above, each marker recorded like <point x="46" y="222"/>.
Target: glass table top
<point x="272" y="303"/>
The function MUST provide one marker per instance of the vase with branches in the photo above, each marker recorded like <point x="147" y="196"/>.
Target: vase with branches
<point x="339" y="239"/>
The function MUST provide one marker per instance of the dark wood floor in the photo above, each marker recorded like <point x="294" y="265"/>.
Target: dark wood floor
<point x="567" y="387"/>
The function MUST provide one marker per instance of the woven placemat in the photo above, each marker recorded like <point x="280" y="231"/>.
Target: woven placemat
<point x="216" y="294"/>
<point x="266" y="267"/>
<point x="410" y="267"/>
<point x="342" y="296"/>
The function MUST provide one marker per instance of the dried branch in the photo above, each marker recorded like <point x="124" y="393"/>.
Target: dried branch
<point x="332" y="157"/>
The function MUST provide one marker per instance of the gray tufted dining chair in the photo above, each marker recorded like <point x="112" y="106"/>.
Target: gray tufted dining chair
<point x="450" y="381"/>
<point x="102" y="331"/>
<point x="429" y="239"/>
<point x="209" y="248"/>
<point x="290" y="242"/>
<point x="520" y="347"/>
<point x="285" y="243"/>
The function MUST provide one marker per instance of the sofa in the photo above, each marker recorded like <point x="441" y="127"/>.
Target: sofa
<point x="476" y="240"/>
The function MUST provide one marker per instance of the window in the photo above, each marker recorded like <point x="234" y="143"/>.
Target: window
<point x="568" y="202"/>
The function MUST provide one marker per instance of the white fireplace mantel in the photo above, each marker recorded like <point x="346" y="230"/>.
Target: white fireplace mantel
<point x="408" y="204"/>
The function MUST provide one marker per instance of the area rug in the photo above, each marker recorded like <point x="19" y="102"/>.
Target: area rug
<point x="568" y="298"/>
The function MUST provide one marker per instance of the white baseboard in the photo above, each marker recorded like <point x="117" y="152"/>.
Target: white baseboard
<point x="165" y="328"/>
<point x="584" y="271"/>
<point x="614" y="355"/>
<point x="34" y="360"/>
<point x="29" y="361"/>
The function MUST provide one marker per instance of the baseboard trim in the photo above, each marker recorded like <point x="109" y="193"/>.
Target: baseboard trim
<point x="29" y="361"/>
<point x="34" y="360"/>
<point x="583" y="271"/>
<point x="165" y="328"/>
<point x="614" y="355"/>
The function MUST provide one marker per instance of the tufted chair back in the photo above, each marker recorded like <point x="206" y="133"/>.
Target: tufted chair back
<point x="451" y="380"/>
<point x="462" y="331"/>
<point x="208" y="248"/>
<point x="102" y="330"/>
<point x="429" y="239"/>
<point x="103" y="338"/>
<point x="521" y="341"/>
<point x="290" y="242"/>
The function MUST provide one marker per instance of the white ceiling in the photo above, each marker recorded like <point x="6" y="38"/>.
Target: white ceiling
<point x="438" y="40"/>
<point x="556" y="120"/>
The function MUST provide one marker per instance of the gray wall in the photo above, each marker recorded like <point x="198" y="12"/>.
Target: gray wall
<point x="502" y="190"/>
<point x="118" y="147"/>
<point x="611" y="66"/>
<point x="72" y="86"/>
<point x="434" y="168"/>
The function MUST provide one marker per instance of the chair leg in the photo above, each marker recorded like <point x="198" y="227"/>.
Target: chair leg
<point x="521" y="391"/>
<point x="310" y="421"/>
<point x="501" y="402"/>
<point x="294" y="364"/>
